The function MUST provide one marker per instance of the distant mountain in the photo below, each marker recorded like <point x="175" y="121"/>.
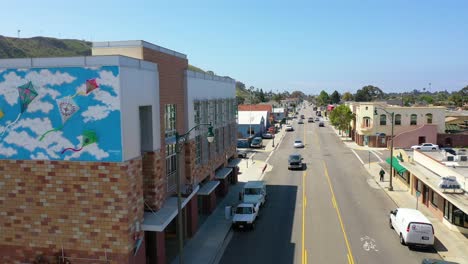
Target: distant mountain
<point x="48" y="47"/>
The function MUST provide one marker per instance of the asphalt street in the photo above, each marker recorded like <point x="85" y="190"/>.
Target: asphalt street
<point x="331" y="212"/>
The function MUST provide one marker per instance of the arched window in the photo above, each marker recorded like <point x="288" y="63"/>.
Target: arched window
<point x="429" y="118"/>
<point x="383" y="120"/>
<point x="366" y="121"/>
<point x="397" y="120"/>
<point x="414" y="120"/>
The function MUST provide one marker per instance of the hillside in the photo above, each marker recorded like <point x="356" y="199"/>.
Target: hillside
<point x="48" y="47"/>
<point x="42" y="47"/>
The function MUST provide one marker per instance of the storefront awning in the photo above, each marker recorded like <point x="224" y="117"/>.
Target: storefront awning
<point x="158" y="221"/>
<point x="223" y="173"/>
<point x="234" y="162"/>
<point x="208" y="188"/>
<point x="396" y="165"/>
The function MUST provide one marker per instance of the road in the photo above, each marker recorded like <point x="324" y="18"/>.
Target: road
<point x="331" y="212"/>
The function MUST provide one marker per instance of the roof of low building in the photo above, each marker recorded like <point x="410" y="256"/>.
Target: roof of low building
<point x="251" y="117"/>
<point x="255" y="107"/>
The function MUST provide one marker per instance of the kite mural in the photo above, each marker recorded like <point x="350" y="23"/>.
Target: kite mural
<point x="91" y="85"/>
<point x="67" y="108"/>
<point x="89" y="137"/>
<point x="27" y="93"/>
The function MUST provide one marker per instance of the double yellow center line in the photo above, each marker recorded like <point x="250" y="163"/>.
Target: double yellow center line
<point x="335" y="205"/>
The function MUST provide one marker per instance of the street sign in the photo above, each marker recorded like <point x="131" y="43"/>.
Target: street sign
<point x="418" y="193"/>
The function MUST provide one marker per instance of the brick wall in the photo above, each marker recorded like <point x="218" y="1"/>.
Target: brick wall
<point x="196" y="173"/>
<point x="171" y="91"/>
<point x="86" y="207"/>
<point x="154" y="180"/>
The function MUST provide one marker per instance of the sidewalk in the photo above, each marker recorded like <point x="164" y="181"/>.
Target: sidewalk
<point x="207" y="245"/>
<point x="452" y="245"/>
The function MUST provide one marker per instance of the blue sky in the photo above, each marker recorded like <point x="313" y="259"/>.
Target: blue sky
<point x="398" y="45"/>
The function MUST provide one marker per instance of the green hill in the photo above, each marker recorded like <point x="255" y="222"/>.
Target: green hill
<point x="48" y="47"/>
<point x="42" y="47"/>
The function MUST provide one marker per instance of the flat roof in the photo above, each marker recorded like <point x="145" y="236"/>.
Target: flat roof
<point x="432" y="179"/>
<point x="137" y="43"/>
<point x="78" y="61"/>
<point x="458" y="167"/>
<point x="206" y="76"/>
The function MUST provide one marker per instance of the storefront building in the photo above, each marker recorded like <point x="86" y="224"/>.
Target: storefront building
<point x="438" y="184"/>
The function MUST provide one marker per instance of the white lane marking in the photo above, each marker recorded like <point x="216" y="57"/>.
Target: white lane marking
<point x="380" y="153"/>
<point x="359" y="158"/>
<point x="373" y="152"/>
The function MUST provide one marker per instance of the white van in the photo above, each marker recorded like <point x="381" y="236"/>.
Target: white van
<point x="412" y="226"/>
<point x="254" y="192"/>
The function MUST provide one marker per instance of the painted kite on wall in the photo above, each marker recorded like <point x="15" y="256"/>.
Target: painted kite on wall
<point x="1" y="113"/>
<point x="89" y="137"/>
<point x="91" y="85"/>
<point x="27" y="93"/>
<point x="67" y="108"/>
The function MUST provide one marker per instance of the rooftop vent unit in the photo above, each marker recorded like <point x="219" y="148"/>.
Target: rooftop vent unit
<point x="463" y="158"/>
<point x="450" y="158"/>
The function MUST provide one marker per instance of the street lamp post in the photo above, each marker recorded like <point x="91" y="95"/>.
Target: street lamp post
<point x="180" y="141"/>
<point x="392" y="115"/>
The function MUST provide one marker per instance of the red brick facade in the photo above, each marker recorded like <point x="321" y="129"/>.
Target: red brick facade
<point x="154" y="180"/>
<point x="88" y="208"/>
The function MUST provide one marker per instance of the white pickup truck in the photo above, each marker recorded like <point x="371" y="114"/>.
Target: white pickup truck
<point x="254" y="192"/>
<point x="245" y="215"/>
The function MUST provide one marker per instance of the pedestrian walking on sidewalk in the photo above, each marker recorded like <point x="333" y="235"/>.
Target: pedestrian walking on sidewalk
<point x="382" y="173"/>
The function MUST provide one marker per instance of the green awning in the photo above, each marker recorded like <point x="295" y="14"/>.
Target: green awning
<point x="396" y="164"/>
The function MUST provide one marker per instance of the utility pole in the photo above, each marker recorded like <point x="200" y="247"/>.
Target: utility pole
<point x="19" y="30"/>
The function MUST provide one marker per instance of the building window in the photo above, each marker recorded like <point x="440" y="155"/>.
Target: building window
<point x="429" y="118"/>
<point x="397" y="120"/>
<point x="419" y="186"/>
<point x="170" y="120"/>
<point x="198" y="149"/>
<point x="414" y="120"/>
<point x="435" y="199"/>
<point x="196" y="113"/>
<point x="366" y="122"/>
<point x="171" y="166"/>
<point x="217" y="146"/>
<point x="383" y="120"/>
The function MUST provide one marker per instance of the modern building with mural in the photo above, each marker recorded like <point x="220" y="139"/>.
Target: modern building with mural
<point x="88" y="161"/>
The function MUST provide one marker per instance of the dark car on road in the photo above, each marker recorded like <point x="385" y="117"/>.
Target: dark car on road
<point x="295" y="161"/>
<point x="321" y="124"/>
<point x="243" y="143"/>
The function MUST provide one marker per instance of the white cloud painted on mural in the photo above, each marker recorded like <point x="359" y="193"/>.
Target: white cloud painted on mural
<point x="39" y="156"/>
<point x="52" y="145"/>
<point x="92" y="149"/>
<point x="111" y="103"/>
<point x="8" y="88"/>
<point x="47" y="78"/>
<point x="7" y="151"/>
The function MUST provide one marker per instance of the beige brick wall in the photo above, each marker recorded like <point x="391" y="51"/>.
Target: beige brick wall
<point x="86" y="207"/>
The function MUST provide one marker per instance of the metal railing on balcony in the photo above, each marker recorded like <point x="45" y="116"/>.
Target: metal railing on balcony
<point x="171" y="181"/>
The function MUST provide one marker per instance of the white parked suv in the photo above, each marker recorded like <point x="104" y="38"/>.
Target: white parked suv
<point x="245" y="215"/>
<point x="426" y="147"/>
